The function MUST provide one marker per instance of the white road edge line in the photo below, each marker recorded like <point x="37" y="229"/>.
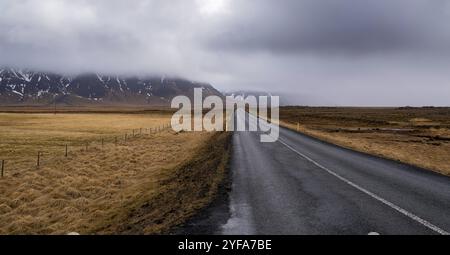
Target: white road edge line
<point x="382" y="200"/>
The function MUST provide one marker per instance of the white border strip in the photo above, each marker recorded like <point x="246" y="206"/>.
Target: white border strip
<point x="376" y="197"/>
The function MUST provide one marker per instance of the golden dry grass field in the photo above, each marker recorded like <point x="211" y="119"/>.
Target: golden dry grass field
<point x="148" y="184"/>
<point x="417" y="136"/>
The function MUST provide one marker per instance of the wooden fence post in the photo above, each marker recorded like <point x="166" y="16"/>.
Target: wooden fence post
<point x="3" y="166"/>
<point x="66" y="152"/>
<point x="38" y="163"/>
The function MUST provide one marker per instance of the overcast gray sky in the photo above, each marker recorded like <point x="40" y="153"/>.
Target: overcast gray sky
<point x="334" y="52"/>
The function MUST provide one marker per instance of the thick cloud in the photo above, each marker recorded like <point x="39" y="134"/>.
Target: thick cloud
<point x="101" y="35"/>
<point x="338" y="26"/>
<point x="338" y="52"/>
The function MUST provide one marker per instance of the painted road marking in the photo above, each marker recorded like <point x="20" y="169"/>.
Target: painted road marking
<point x="382" y="200"/>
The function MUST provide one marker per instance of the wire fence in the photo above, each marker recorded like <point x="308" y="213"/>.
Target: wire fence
<point x="89" y="145"/>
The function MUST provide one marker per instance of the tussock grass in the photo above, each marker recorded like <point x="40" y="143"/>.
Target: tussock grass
<point x="146" y="185"/>
<point x="23" y="135"/>
<point x="182" y="191"/>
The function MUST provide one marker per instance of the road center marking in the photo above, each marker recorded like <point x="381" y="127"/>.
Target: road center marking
<point x="382" y="200"/>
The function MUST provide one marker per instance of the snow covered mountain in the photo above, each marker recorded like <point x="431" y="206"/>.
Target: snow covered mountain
<point x="28" y="87"/>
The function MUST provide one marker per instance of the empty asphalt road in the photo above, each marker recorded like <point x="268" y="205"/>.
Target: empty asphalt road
<point x="300" y="185"/>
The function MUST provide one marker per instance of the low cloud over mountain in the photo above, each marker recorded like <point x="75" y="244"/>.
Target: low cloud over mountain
<point x="27" y="87"/>
<point x="340" y="52"/>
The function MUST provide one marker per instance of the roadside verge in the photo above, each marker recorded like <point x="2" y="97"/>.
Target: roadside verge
<point x="183" y="191"/>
